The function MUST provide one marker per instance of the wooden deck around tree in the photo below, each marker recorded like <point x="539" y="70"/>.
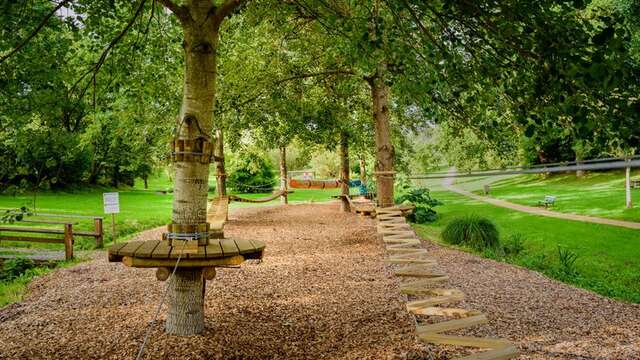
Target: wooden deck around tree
<point x="160" y="251"/>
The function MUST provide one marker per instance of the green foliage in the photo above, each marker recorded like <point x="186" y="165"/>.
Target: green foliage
<point x="11" y="216"/>
<point x="473" y="231"/>
<point x="325" y="164"/>
<point x="514" y="244"/>
<point x="16" y="267"/>
<point x="567" y="260"/>
<point x="251" y="173"/>
<point x="424" y="203"/>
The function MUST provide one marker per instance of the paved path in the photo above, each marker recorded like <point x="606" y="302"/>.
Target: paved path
<point x="447" y="183"/>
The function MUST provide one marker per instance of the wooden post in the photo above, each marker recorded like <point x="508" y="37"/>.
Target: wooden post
<point x="284" y="198"/>
<point x="221" y="177"/>
<point x="68" y="241"/>
<point x="344" y="172"/>
<point x="363" y="170"/>
<point x="113" y="227"/>
<point x="627" y="185"/>
<point x="98" y="231"/>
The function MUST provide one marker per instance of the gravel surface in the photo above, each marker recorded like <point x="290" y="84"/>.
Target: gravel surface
<point x="322" y="292"/>
<point x="546" y="319"/>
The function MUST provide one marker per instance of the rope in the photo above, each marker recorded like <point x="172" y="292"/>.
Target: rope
<point x="164" y="295"/>
<point x="260" y="200"/>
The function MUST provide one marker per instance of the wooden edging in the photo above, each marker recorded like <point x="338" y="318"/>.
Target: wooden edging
<point x="404" y="249"/>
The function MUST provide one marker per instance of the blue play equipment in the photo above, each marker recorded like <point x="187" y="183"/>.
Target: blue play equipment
<point x="362" y="189"/>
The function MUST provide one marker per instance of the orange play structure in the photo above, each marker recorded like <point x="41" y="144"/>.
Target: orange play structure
<point x="314" y="184"/>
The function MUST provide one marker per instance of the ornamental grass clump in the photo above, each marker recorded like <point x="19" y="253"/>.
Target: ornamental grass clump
<point x="473" y="231"/>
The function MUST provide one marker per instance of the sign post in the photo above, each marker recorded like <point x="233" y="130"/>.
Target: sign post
<point x="112" y="206"/>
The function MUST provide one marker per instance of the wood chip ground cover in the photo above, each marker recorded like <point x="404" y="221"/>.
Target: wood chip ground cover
<point x="322" y="292"/>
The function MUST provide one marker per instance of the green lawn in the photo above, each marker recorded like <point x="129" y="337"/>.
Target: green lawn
<point x="607" y="256"/>
<point x="598" y="193"/>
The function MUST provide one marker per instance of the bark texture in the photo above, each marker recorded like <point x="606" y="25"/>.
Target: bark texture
<point x="186" y="305"/>
<point x="284" y="198"/>
<point x="221" y="176"/>
<point x="344" y="171"/>
<point x="384" y="167"/>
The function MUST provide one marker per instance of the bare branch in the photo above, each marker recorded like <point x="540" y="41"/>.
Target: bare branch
<point x="34" y="32"/>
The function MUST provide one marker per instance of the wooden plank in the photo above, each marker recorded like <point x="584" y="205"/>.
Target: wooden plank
<point x="245" y="246"/>
<point x="201" y="254"/>
<point x="85" y="233"/>
<point x="130" y="248"/>
<point x="451" y="325"/>
<point x="31" y="239"/>
<point x="115" y="247"/>
<point x="258" y="245"/>
<point x="31" y="230"/>
<point x="147" y="248"/>
<point x="421" y="287"/>
<point x="214" y="249"/>
<point x="443" y="311"/>
<point x="438" y="297"/>
<point x="229" y="247"/>
<point x="184" y="263"/>
<point x="162" y="251"/>
<point x="483" y="343"/>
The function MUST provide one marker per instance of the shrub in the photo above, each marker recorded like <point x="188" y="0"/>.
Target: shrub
<point x="473" y="231"/>
<point x="514" y="244"/>
<point x="13" y="268"/>
<point x="251" y="173"/>
<point x="424" y="205"/>
<point x="567" y="260"/>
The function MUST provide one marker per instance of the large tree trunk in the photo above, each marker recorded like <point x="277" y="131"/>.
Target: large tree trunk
<point x="344" y="171"/>
<point x="384" y="170"/>
<point x="186" y="310"/>
<point x="284" y="198"/>
<point x="221" y="176"/>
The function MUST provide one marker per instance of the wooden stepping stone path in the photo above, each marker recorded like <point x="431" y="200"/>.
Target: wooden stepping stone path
<point x="405" y="250"/>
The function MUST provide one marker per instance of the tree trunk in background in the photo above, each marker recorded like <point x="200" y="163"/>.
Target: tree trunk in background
<point x="384" y="169"/>
<point x="579" y="173"/>
<point x="284" y="198"/>
<point x="146" y="182"/>
<point x="186" y="310"/>
<point x="363" y="170"/>
<point x="627" y="186"/>
<point x="221" y="176"/>
<point x="344" y="171"/>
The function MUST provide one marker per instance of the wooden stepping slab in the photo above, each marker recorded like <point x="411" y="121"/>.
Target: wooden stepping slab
<point x="157" y="253"/>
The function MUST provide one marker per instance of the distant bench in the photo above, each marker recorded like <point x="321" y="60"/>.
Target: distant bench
<point x="547" y="201"/>
<point x="67" y="232"/>
<point x="635" y="183"/>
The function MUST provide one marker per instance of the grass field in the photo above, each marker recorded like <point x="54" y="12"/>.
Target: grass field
<point x="607" y="260"/>
<point x="597" y="194"/>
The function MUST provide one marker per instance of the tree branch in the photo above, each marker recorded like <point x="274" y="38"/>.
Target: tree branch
<point x="34" y="32"/>
<point x="225" y="9"/>
<point x="179" y="10"/>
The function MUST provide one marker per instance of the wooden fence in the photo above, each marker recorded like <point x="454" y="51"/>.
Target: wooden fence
<point x="33" y="234"/>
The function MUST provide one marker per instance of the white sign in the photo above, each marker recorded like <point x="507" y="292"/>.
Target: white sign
<point x="111" y="203"/>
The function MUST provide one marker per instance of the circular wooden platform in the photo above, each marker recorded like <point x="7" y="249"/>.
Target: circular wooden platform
<point x="156" y="253"/>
